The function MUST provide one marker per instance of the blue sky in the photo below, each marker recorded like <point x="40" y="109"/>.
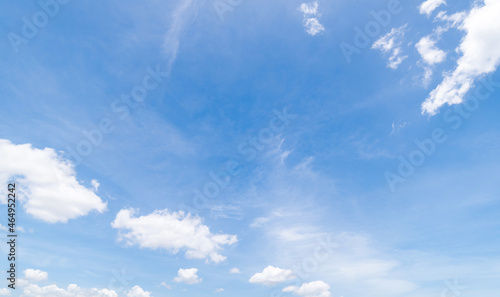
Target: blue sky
<point x="371" y="172"/>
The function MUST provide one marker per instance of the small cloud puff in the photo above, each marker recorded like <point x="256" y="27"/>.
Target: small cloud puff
<point x="310" y="21"/>
<point x="391" y="43"/>
<point x="187" y="276"/>
<point x="312" y="289"/>
<point x="271" y="276"/>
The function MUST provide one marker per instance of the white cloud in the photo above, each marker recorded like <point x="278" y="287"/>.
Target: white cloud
<point x="35" y="275"/>
<point x="480" y="56"/>
<point x="312" y="289"/>
<point x="173" y="232"/>
<point x="95" y="184"/>
<point x="4" y="292"/>
<point x="427" y="77"/>
<point x="391" y="43"/>
<point x="29" y="289"/>
<point x="137" y="291"/>
<point x="165" y="285"/>
<point x="47" y="183"/>
<point x="234" y="270"/>
<point x="259" y="222"/>
<point x="429" y="6"/>
<point x="220" y="290"/>
<point x="181" y="17"/>
<point x="310" y="21"/>
<point x="309" y="8"/>
<point x="72" y="290"/>
<point x="427" y="49"/>
<point x="313" y="26"/>
<point x="452" y="21"/>
<point x="271" y="276"/>
<point x="397" y="127"/>
<point x="188" y="276"/>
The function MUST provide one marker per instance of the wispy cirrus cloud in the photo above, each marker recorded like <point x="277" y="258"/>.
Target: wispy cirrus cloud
<point x="182" y="16"/>
<point x="428" y="6"/>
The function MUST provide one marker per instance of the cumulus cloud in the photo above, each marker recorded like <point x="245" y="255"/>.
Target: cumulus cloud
<point x="427" y="49"/>
<point x="234" y="270"/>
<point x="47" y="183"/>
<point x="312" y="289"/>
<point x="271" y="276"/>
<point x="187" y="276"/>
<point x="29" y="289"/>
<point x="137" y="291"/>
<point x="72" y="290"/>
<point x="172" y="231"/>
<point x="4" y="292"/>
<point x="220" y="290"/>
<point x="310" y="21"/>
<point x="35" y="275"/>
<point x="427" y="7"/>
<point x="480" y="56"/>
<point x="391" y="44"/>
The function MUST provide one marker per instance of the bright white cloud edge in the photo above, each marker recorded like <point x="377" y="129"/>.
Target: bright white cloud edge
<point x="172" y="231"/>
<point x="480" y="56"/>
<point x="271" y="276"/>
<point x="47" y="184"/>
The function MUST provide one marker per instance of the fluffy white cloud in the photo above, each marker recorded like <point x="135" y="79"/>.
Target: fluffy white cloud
<point x="220" y="290"/>
<point x="29" y="289"/>
<point x="427" y="49"/>
<point x="137" y="291"/>
<point x="391" y="43"/>
<point x="313" y="26"/>
<point x="310" y="21"/>
<point x="72" y="290"/>
<point x="4" y="292"/>
<point x="271" y="276"/>
<point x="480" y="56"/>
<point x="35" y="275"/>
<point x="188" y="276"/>
<point x="312" y="289"/>
<point x="173" y="232"/>
<point x="47" y="183"/>
<point x="234" y="270"/>
<point x="429" y="6"/>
